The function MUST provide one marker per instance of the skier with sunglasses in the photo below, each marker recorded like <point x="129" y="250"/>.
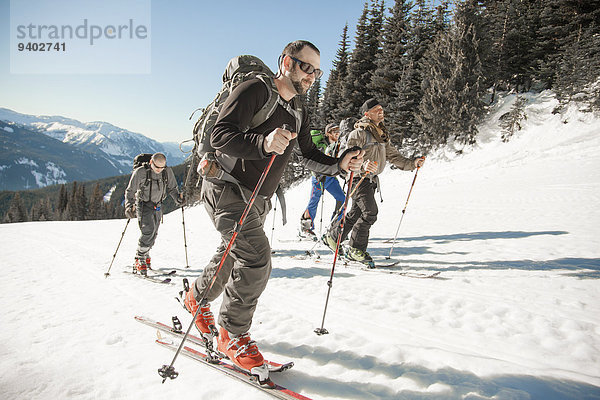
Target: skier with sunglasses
<point x="244" y="273"/>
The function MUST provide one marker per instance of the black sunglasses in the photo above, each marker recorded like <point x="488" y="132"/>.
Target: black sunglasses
<point x="307" y="68"/>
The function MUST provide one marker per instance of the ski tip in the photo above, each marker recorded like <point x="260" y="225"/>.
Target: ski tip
<point x="165" y="341"/>
<point x="286" y="366"/>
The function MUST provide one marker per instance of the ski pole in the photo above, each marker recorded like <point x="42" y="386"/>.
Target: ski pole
<point x="107" y="273"/>
<point x="322" y="331"/>
<point x="187" y="264"/>
<point x="322" y="199"/>
<point x="357" y="185"/>
<point x="167" y="371"/>
<point x="403" y="212"/>
<point x="337" y="214"/>
<point x="273" y="227"/>
<point x="360" y="181"/>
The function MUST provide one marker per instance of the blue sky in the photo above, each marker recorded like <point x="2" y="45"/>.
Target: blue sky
<point x="191" y="42"/>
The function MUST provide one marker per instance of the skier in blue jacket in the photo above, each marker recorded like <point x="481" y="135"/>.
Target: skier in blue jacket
<point x="329" y="144"/>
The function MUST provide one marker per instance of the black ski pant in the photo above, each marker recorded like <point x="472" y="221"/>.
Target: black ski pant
<point x="148" y="221"/>
<point x="246" y="270"/>
<point x="361" y="216"/>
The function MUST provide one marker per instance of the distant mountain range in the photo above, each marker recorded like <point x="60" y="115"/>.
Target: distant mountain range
<point x="38" y="151"/>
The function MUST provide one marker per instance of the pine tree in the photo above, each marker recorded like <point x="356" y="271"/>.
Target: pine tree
<point x="42" y="210"/>
<point x="362" y="63"/>
<point x="577" y="63"/>
<point x="513" y="26"/>
<point x="511" y="121"/>
<point x="451" y="105"/>
<point x="82" y="203"/>
<point x="332" y="96"/>
<point x="407" y="91"/>
<point x="313" y="105"/>
<point x="391" y="63"/>
<point x="71" y="211"/>
<point x="118" y="211"/>
<point x="563" y="24"/>
<point x="578" y="71"/>
<point x="49" y="210"/>
<point x="34" y="214"/>
<point x="441" y="20"/>
<point x="16" y="210"/>
<point x="96" y="209"/>
<point x="63" y="200"/>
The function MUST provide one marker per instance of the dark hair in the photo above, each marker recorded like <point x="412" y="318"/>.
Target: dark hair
<point x="296" y="47"/>
<point x="292" y="49"/>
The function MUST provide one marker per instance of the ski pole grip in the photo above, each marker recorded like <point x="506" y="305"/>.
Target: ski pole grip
<point x="287" y="127"/>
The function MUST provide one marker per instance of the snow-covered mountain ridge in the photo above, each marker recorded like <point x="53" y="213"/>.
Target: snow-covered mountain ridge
<point x="115" y="145"/>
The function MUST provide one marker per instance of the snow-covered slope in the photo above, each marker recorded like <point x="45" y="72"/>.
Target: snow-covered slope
<point x="515" y="313"/>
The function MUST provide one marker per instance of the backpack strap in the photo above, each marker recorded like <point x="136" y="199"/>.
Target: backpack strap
<point x="165" y="180"/>
<point x="294" y="108"/>
<point x="148" y="181"/>
<point x="268" y="108"/>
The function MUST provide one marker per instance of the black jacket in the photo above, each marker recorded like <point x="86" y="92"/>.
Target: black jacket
<point x="227" y="137"/>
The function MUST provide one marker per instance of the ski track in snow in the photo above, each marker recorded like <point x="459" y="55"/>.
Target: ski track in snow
<point x="514" y="314"/>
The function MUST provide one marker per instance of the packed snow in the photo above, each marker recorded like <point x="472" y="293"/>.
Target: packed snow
<point x="513" y="229"/>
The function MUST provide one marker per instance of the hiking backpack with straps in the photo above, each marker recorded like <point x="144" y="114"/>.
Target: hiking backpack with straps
<point x="318" y="139"/>
<point x="239" y="69"/>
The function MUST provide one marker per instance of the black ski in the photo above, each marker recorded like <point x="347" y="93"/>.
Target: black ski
<point x="268" y="387"/>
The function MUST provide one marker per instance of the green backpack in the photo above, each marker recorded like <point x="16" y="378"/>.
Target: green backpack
<point x="318" y="139"/>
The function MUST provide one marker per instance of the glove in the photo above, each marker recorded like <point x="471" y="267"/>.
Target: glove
<point x="419" y="162"/>
<point x="180" y="200"/>
<point x="130" y="212"/>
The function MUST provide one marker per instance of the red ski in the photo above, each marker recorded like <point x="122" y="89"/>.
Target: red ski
<point x="175" y="330"/>
<point x="232" y="371"/>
